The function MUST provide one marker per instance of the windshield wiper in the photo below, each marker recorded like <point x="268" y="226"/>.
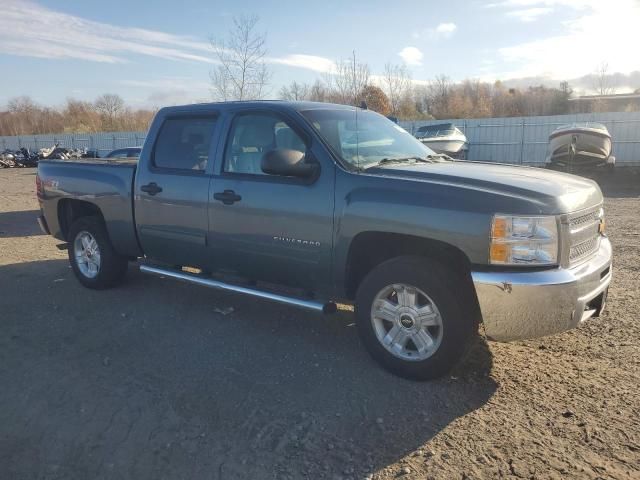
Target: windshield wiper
<point x="405" y="159"/>
<point x="386" y="161"/>
<point x="439" y="155"/>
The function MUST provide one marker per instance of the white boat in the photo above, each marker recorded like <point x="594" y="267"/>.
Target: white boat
<point x="444" y="138"/>
<point x="580" y="145"/>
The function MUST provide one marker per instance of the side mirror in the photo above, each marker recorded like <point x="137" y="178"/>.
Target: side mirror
<point x="289" y="163"/>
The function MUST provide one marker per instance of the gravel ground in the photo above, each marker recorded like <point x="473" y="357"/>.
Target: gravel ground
<point x="156" y="379"/>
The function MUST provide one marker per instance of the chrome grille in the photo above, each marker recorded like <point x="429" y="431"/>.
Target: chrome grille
<point x="584" y="234"/>
<point x="583" y="249"/>
<point x="593" y="216"/>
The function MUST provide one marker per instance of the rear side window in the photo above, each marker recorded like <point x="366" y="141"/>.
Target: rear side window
<point x="183" y="143"/>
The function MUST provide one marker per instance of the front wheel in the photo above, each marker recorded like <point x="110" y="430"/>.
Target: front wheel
<point x="94" y="261"/>
<point x="414" y="318"/>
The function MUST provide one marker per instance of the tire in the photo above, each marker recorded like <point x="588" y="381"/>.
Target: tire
<point x="438" y="290"/>
<point x="109" y="268"/>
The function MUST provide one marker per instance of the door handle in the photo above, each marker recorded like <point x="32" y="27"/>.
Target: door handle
<point x="151" y="188"/>
<point x="228" y="197"/>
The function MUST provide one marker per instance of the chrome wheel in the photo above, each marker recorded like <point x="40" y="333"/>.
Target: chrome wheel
<point x="406" y="322"/>
<point x="87" y="254"/>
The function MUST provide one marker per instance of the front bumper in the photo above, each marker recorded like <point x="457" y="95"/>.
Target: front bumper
<point x="517" y="305"/>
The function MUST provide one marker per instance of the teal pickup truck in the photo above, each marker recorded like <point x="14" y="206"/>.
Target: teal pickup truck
<point x="343" y="206"/>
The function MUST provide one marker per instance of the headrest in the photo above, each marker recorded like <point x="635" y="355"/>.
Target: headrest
<point x="287" y="138"/>
<point x="257" y="133"/>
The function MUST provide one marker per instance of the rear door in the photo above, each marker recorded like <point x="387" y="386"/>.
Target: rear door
<point x="172" y="190"/>
<point x="269" y="227"/>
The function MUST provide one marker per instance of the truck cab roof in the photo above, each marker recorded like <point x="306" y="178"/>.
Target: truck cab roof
<point x="268" y="104"/>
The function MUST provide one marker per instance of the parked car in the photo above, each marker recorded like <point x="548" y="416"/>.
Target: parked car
<point x="129" y="152"/>
<point x="425" y="248"/>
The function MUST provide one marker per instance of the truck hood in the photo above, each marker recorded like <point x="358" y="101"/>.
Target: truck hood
<point x="567" y="193"/>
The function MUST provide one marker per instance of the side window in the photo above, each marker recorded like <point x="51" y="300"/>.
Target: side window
<point x="183" y="143"/>
<point x="253" y="135"/>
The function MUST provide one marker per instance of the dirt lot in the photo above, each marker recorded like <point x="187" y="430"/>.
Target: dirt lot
<point x="151" y="381"/>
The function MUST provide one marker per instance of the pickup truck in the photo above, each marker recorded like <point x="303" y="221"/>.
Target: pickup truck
<point x="316" y="205"/>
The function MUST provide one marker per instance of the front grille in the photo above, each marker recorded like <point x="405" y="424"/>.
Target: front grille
<point x="584" y="235"/>
<point x="583" y="249"/>
<point x="581" y="219"/>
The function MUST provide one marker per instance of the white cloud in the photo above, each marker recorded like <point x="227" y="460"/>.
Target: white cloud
<point x="309" y="62"/>
<point x="546" y="3"/>
<point x="442" y="30"/>
<point x="411" y="56"/>
<point x="29" y="29"/>
<point x="32" y="30"/>
<point x="597" y="31"/>
<point x="530" y="14"/>
<point x="531" y="10"/>
<point x="446" y="29"/>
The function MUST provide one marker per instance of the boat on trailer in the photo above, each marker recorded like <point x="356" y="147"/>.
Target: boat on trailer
<point x="444" y="138"/>
<point x="581" y="145"/>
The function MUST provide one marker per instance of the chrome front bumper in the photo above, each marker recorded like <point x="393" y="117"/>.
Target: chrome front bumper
<point x="517" y="305"/>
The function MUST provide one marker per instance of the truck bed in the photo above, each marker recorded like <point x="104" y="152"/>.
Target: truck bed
<point x="105" y="183"/>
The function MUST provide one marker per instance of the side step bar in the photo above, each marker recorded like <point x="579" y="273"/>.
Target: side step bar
<point x="325" y="308"/>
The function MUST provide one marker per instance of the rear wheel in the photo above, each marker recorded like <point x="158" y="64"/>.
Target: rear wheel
<point x="94" y="261"/>
<point x="412" y="319"/>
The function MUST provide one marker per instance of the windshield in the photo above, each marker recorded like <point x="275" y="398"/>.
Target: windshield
<point x="363" y="138"/>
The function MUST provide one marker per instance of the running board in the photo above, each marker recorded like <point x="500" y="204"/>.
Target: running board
<point x="325" y="308"/>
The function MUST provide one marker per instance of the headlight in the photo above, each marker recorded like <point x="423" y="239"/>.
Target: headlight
<point x="523" y="240"/>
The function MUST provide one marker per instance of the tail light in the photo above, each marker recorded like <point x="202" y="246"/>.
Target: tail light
<point x="39" y="191"/>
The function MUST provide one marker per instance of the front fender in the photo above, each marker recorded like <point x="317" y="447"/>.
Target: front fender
<point x="407" y="213"/>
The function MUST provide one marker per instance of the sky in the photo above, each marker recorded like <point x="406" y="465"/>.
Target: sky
<point x="158" y="53"/>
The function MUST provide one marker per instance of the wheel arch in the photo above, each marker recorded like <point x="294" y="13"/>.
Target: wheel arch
<point x="371" y="248"/>
<point x="71" y="209"/>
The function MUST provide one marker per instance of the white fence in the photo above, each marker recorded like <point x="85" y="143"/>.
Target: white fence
<point x="519" y="140"/>
<point x="524" y="140"/>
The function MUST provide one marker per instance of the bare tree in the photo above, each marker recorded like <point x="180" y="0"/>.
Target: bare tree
<point x="295" y="91"/>
<point x="242" y="73"/>
<point x="439" y="93"/>
<point x="397" y="83"/>
<point x="359" y="76"/>
<point x="348" y="80"/>
<point x="110" y="107"/>
<point x="81" y="116"/>
<point x="318" y="92"/>
<point x="603" y="80"/>
<point x="24" y="112"/>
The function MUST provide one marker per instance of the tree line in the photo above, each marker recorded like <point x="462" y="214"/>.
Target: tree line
<point x="108" y="113"/>
<point x="391" y="94"/>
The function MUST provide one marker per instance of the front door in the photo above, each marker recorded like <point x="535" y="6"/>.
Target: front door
<point x="268" y="227"/>
<point x="172" y="191"/>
